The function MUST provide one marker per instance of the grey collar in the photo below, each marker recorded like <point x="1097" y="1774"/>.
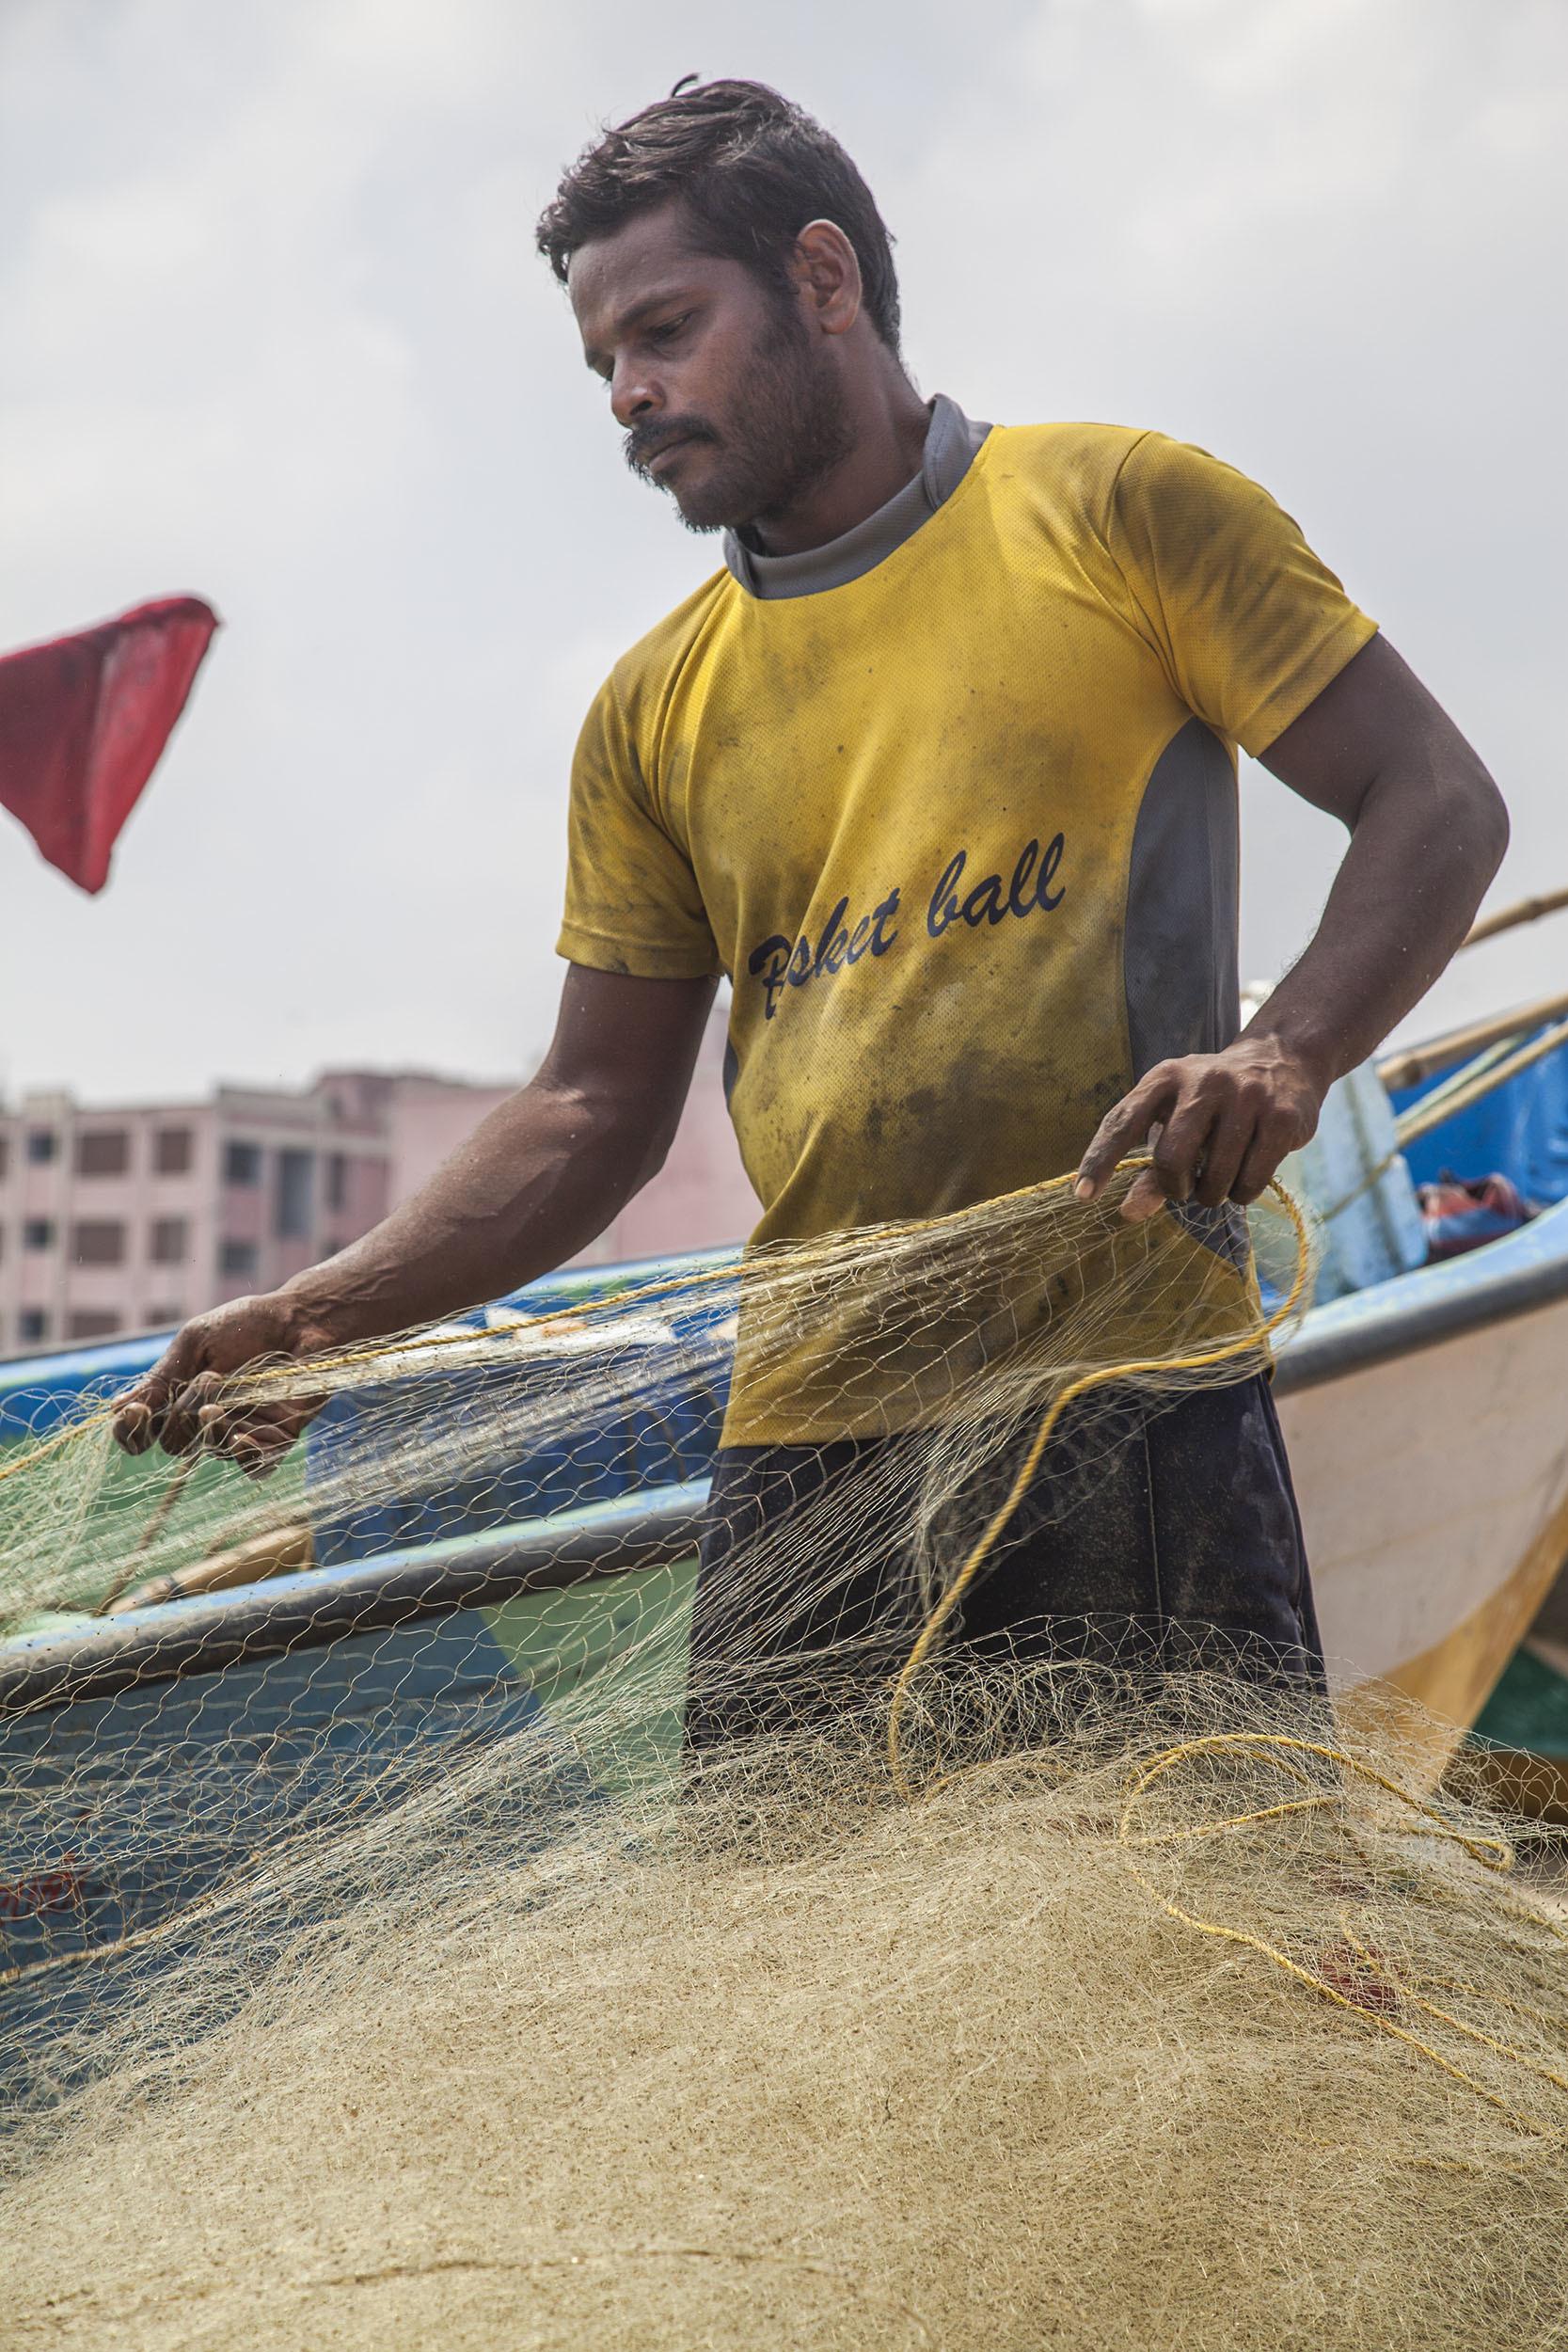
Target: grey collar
<point x="951" y="441"/>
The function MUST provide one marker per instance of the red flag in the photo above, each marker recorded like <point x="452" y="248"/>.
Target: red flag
<point x="84" y="722"/>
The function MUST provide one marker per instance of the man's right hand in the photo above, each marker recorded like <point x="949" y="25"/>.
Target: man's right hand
<point x="179" y="1403"/>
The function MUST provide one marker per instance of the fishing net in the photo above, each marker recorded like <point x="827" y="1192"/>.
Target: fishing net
<point x="385" y="1960"/>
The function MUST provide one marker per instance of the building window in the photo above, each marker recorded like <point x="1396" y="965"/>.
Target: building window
<point x="43" y="1144"/>
<point x="242" y="1164"/>
<point x="169" y="1241"/>
<point x="32" y="1325"/>
<point x="38" y="1233"/>
<point x="295" y="1182"/>
<point x="98" y="1241"/>
<point x="237" y="1257"/>
<point x="91" y="1323"/>
<point x="336" y="1178"/>
<point x="102" y="1152"/>
<point x="164" y="1318"/>
<point x="173" y="1150"/>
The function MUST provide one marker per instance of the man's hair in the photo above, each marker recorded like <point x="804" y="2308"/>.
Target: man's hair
<point x="751" y="170"/>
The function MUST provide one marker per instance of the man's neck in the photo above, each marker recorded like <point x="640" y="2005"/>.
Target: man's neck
<point x="889" y="422"/>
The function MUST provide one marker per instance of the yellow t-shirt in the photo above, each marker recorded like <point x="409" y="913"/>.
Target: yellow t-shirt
<point x="963" y="830"/>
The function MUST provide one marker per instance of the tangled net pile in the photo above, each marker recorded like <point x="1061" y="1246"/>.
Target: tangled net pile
<point x="412" y="1989"/>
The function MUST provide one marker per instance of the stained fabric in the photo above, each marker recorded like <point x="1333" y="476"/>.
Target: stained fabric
<point x="903" y="815"/>
<point x="82" y="724"/>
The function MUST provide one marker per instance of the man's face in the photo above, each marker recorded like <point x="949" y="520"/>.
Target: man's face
<point x="728" y="398"/>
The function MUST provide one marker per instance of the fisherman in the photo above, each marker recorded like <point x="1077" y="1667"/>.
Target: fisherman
<point x="940" y="768"/>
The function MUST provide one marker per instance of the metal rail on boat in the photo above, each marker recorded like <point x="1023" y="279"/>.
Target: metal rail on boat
<point x="1523" y="1272"/>
<point x="1514" y="1275"/>
<point x="320" y="1605"/>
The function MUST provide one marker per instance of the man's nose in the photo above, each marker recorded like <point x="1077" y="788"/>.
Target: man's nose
<point x="633" y="396"/>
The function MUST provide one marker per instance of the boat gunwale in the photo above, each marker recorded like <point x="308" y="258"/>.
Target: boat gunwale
<point x="1516" y="1275"/>
<point x="313" y="1607"/>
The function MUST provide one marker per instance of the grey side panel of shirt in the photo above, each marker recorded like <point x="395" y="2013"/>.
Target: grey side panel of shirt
<point x="951" y="441"/>
<point x="1182" y="896"/>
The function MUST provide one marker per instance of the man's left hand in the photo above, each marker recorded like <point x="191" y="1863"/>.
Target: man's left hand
<point x="1217" y="1125"/>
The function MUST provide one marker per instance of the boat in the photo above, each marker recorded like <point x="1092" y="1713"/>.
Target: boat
<point x="1430" y="1453"/>
<point x="1431" y="1457"/>
<point x="1518" y="1729"/>
<point x="1435" y="1509"/>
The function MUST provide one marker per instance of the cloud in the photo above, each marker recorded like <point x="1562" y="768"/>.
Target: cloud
<point x="275" y="332"/>
<point x="1315" y="237"/>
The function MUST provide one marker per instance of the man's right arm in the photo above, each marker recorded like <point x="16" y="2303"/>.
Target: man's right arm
<point x="537" y="1181"/>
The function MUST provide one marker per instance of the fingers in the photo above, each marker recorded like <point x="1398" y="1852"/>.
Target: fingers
<point x="1125" y="1128"/>
<point x="1227" y="1146"/>
<point x="1217" y="1126"/>
<point x="1145" y="1197"/>
<point x="195" y="1418"/>
<point x="140" y="1417"/>
<point x="1260" y="1164"/>
<point x="180" y="1403"/>
<point x="182" y="1417"/>
<point x="255" y="1437"/>
<point x="135" y="1421"/>
<point x="192" y="1415"/>
<point x="1177" y="1149"/>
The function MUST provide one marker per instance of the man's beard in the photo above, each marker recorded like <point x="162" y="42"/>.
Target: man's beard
<point x="787" y="429"/>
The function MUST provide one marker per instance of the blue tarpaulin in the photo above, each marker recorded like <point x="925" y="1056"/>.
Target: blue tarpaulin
<point x="1519" y="1131"/>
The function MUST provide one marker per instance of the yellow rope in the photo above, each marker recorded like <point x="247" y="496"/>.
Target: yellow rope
<point x="46" y="1446"/>
<point x="1106" y="1375"/>
<point x="1492" y="1853"/>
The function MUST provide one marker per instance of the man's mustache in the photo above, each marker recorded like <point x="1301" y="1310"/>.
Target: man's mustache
<point x="645" y="441"/>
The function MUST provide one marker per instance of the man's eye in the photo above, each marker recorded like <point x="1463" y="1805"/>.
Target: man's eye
<point x="663" y="333"/>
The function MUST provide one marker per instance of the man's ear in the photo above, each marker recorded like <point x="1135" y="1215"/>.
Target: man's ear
<point x="825" y="268"/>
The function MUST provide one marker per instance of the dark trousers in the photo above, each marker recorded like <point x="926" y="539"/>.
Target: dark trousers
<point x="1169" y="1543"/>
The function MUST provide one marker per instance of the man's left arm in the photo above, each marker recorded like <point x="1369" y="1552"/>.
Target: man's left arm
<point x="1428" y="830"/>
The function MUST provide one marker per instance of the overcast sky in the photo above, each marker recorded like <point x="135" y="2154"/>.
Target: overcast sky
<point x="274" y="332"/>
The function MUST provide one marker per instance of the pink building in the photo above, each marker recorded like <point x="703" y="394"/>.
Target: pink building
<point x="127" y="1219"/>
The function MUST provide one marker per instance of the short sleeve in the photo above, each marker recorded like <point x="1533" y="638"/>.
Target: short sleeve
<point x="632" y="901"/>
<point x="1250" y="625"/>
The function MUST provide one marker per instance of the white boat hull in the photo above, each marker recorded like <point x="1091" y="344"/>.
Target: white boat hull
<point x="1427" y="1422"/>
